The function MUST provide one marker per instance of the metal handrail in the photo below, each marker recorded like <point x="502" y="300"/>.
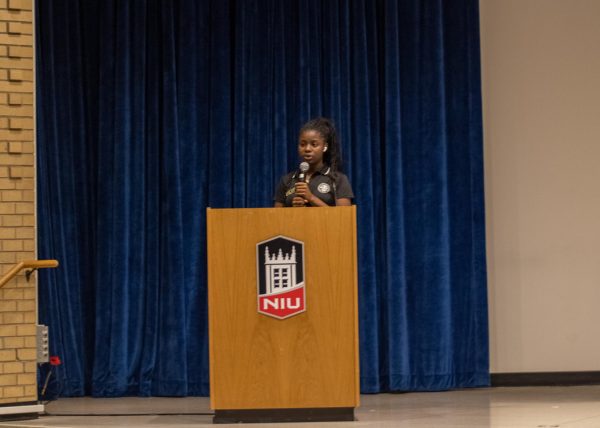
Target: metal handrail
<point x="33" y="265"/>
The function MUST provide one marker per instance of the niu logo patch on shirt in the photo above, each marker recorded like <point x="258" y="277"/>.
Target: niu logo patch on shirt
<point x="324" y="188"/>
<point x="280" y="277"/>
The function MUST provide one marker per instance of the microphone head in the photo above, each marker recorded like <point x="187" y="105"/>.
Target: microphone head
<point x="304" y="166"/>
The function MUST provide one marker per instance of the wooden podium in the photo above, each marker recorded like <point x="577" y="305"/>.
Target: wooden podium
<point x="305" y="366"/>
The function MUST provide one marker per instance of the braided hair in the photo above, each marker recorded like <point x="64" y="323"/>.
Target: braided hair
<point x="326" y="127"/>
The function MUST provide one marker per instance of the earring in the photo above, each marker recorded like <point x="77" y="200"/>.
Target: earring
<point x="325" y="149"/>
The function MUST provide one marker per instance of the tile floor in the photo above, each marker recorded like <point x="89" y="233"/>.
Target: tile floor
<point x="549" y="407"/>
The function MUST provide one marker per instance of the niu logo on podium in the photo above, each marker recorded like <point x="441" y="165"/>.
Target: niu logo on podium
<point x="280" y="274"/>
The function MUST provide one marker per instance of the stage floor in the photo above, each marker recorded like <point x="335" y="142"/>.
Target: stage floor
<point x="547" y="407"/>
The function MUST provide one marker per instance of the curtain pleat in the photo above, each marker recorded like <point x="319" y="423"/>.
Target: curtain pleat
<point x="149" y="112"/>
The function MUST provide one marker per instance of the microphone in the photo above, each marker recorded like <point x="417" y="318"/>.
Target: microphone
<point x="303" y="168"/>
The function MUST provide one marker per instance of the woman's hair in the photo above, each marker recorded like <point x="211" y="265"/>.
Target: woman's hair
<point x="326" y="127"/>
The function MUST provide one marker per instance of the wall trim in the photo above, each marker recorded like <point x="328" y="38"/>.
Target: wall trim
<point x="20" y="412"/>
<point x="545" y="378"/>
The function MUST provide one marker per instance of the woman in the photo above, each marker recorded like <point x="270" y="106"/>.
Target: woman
<point x="323" y="184"/>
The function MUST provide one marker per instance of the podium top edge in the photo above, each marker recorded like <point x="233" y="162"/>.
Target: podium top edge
<point x="276" y="208"/>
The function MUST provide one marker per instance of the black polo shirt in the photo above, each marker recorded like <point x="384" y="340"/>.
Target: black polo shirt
<point x="322" y="184"/>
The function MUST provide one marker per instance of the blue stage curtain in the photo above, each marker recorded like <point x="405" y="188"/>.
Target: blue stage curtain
<point x="150" y="111"/>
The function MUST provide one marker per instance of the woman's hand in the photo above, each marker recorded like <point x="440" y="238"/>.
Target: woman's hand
<point x="298" y="202"/>
<point x="304" y="192"/>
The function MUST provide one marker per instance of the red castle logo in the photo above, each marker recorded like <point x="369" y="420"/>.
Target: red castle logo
<point x="280" y="273"/>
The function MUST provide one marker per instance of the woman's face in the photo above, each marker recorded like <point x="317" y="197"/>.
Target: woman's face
<point x="311" y="147"/>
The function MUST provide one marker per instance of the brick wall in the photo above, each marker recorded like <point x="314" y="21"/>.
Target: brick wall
<point x="18" y="305"/>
